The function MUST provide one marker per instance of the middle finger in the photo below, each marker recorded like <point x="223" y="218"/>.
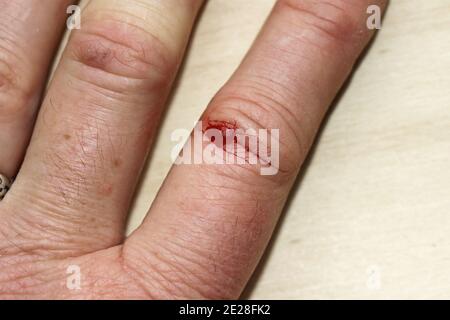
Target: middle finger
<point x="97" y="121"/>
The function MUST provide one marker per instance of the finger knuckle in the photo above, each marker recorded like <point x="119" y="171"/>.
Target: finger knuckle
<point x="121" y="57"/>
<point x="332" y="23"/>
<point x="264" y="108"/>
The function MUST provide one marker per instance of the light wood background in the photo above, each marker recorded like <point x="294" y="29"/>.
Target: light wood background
<point x="370" y="215"/>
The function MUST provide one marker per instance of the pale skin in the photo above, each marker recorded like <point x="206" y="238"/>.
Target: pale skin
<point x="78" y="155"/>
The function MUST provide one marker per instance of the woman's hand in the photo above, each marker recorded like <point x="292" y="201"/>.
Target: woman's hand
<point x="65" y="214"/>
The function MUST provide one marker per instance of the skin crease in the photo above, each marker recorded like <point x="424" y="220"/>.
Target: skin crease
<point x="209" y="225"/>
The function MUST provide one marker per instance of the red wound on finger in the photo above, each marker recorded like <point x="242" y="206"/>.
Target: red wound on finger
<point x="227" y="129"/>
<point x="232" y="137"/>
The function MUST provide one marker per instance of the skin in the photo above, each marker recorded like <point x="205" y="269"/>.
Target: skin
<point x="210" y="224"/>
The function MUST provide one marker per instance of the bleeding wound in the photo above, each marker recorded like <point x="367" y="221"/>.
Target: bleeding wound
<point x="224" y="142"/>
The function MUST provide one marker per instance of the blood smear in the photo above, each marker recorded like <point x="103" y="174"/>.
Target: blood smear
<point x="225" y="127"/>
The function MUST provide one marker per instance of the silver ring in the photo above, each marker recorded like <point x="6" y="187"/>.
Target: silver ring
<point x="5" y="184"/>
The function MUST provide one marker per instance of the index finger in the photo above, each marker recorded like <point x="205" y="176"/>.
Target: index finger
<point x="210" y="223"/>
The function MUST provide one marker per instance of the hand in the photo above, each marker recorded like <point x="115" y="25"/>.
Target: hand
<point x="205" y="232"/>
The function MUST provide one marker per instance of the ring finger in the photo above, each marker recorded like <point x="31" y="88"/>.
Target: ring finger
<point x="97" y="121"/>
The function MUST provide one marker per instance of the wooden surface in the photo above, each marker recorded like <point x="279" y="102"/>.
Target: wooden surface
<point x="370" y="215"/>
